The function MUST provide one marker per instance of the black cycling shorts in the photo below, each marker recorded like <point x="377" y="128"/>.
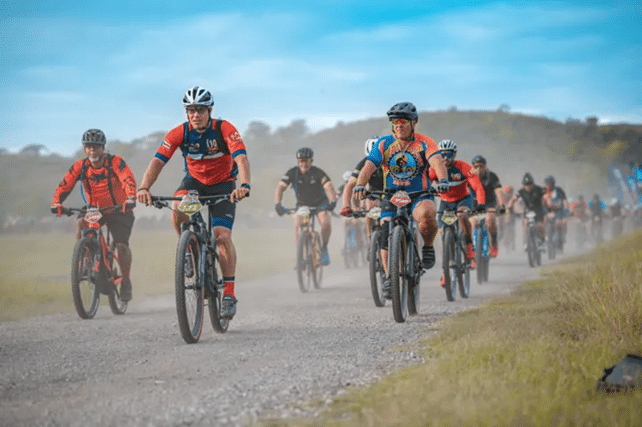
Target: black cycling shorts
<point x="120" y="225"/>
<point x="224" y="211"/>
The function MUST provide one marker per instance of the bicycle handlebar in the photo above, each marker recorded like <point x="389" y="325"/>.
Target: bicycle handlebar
<point x="71" y="211"/>
<point x="161" y="201"/>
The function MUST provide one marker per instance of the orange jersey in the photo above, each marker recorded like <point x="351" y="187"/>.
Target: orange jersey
<point x="204" y="159"/>
<point x="102" y="187"/>
<point x="461" y="171"/>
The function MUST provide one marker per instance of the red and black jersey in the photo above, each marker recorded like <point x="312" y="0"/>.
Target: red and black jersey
<point x="109" y="185"/>
<point x="461" y="171"/>
<point x="205" y="161"/>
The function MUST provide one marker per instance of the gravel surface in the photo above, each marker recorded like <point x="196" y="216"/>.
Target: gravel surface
<point x="283" y="350"/>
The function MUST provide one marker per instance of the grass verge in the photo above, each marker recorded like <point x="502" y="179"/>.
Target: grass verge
<point x="531" y="358"/>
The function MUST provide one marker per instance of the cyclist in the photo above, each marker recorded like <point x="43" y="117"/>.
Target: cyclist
<point x="312" y="187"/>
<point x="494" y="198"/>
<point x="106" y="180"/>
<point x="597" y="208"/>
<point x="579" y="209"/>
<point x="215" y="158"/>
<point x="458" y="197"/>
<point x="405" y="157"/>
<point x="375" y="183"/>
<point x="531" y="196"/>
<point x="556" y="205"/>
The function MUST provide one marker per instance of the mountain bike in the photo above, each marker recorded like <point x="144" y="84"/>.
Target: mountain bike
<point x="404" y="261"/>
<point x="455" y="264"/>
<point x="354" y="247"/>
<point x="482" y="246"/>
<point x="309" y="269"/>
<point x="375" y="263"/>
<point x="533" y="241"/>
<point x="95" y="268"/>
<point x="197" y="276"/>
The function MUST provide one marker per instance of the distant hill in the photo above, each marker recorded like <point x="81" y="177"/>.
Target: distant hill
<point x="576" y="152"/>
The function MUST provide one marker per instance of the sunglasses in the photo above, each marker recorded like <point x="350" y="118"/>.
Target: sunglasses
<point x="396" y="122"/>
<point x="448" y="154"/>
<point x="194" y="110"/>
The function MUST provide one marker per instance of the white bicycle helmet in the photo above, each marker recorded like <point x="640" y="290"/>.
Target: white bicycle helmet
<point x="370" y="143"/>
<point x="197" y="96"/>
<point x="447" y="145"/>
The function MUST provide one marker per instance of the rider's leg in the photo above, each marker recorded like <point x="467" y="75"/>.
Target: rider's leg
<point x="326" y="227"/>
<point x="227" y="257"/>
<point x="177" y="217"/>
<point x="124" y="254"/>
<point x="491" y="221"/>
<point x="425" y="214"/>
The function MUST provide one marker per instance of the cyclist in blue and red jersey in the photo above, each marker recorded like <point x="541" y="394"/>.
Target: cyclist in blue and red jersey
<point x="405" y="157"/>
<point x="106" y="181"/>
<point x="458" y="197"/>
<point x="215" y="158"/>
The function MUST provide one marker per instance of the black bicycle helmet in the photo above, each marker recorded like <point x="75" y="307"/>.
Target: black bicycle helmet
<point x="304" y="153"/>
<point x="479" y="159"/>
<point x="403" y="110"/>
<point x="197" y="96"/>
<point x="528" y="179"/>
<point x="94" y="136"/>
<point x="549" y="180"/>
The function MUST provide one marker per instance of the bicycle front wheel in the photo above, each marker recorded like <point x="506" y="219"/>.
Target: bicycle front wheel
<point x="449" y="265"/>
<point x="377" y="275"/>
<point x="398" y="277"/>
<point x="188" y="282"/>
<point x="304" y="261"/>
<point x="550" y="239"/>
<point x="115" y="280"/>
<point x="317" y="268"/>
<point x="83" y="287"/>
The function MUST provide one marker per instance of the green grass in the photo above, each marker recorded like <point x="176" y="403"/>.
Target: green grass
<point x="531" y="358"/>
<point x="35" y="268"/>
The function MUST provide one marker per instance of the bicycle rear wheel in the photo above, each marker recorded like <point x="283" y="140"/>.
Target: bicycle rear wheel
<point x="215" y="300"/>
<point x="463" y="267"/>
<point x="398" y="278"/>
<point x="83" y="287"/>
<point x="115" y="281"/>
<point x="449" y="266"/>
<point x="304" y="261"/>
<point x="188" y="281"/>
<point x="377" y="275"/>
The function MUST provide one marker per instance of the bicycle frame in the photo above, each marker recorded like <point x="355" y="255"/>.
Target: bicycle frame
<point x="309" y="267"/>
<point x="455" y="264"/>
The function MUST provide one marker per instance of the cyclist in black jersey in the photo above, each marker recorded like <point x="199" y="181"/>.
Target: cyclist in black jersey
<point x="531" y="195"/>
<point x="312" y="187"/>
<point x="494" y="198"/>
<point x="374" y="184"/>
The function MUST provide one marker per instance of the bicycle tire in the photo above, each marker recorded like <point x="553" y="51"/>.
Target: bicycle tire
<point x="215" y="299"/>
<point x="398" y="278"/>
<point x="304" y="262"/>
<point x="117" y="306"/>
<point x="317" y="268"/>
<point x="531" y="247"/>
<point x="347" y="250"/>
<point x="479" y="254"/>
<point x="377" y="275"/>
<point x="463" y="269"/>
<point x="448" y="258"/>
<point x="414" y="277"/>
<point x="550" y="239"/>
<point x="189" y="289"/>
<point x="84" y="290"/>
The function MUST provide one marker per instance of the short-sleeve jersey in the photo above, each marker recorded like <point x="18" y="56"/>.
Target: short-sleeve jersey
<point x="376" y="180"/>
<point x="109" y="185"/>
<point x="407" y="167"/>
<point x="533" y="199"/>
<point x="308" y="187"/>
<point x="490" y="181"/>
<point x="554" y="199"/>
<point x="205" y="161"/>
<point x="461" y="171"/>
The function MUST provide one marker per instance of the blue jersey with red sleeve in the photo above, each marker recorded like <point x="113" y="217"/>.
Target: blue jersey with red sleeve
<point x="205" y="161"/>
<point x="408" y="166"/>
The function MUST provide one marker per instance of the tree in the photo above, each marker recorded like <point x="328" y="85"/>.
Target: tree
<point x="33" y="149"/>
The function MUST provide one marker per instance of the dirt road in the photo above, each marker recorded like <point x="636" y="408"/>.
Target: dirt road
<point x="283" y="348"/>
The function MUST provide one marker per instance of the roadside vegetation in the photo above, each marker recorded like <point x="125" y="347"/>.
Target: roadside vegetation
<point x="531" y="358"/>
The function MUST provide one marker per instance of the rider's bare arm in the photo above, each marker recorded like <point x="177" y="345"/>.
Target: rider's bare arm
<point x="278" y="193"/>
<point x="364" y="176"/>
<point x="243" y="164"/>
<point x="330" y="191"/>
<point x="149" y="178"/>
<point x="437" y="163"/>
<point x="347" y="191"/>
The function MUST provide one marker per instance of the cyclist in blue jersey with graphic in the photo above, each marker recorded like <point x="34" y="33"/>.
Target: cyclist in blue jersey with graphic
<point x="405" y="157"/>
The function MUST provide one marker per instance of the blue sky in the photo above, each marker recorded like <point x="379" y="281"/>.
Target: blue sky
<point x="123" y="66"/>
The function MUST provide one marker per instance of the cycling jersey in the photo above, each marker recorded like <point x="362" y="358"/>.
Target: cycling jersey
<point x="376" y="180"/>
<point x="579" y="209"/>
<point x="109" y="185"/>
<point x="533" y="200"/>
<point x="461" y="171"/>
<point x="554" y="199"/>
<point x="490" y="181"/>
<point x="204" y="160"/>
<point x="407" y="167"/>
<point x="308" y="187"/>
<point x="597" y="209"/>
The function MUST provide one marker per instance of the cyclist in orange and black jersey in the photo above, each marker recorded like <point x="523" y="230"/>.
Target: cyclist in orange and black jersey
<point x="494" y="198"/>
<point x="105" y="181"/>
<point x="215" y="158"/>
<point x="579" y="209"/>
<point x="458" y="197"/>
